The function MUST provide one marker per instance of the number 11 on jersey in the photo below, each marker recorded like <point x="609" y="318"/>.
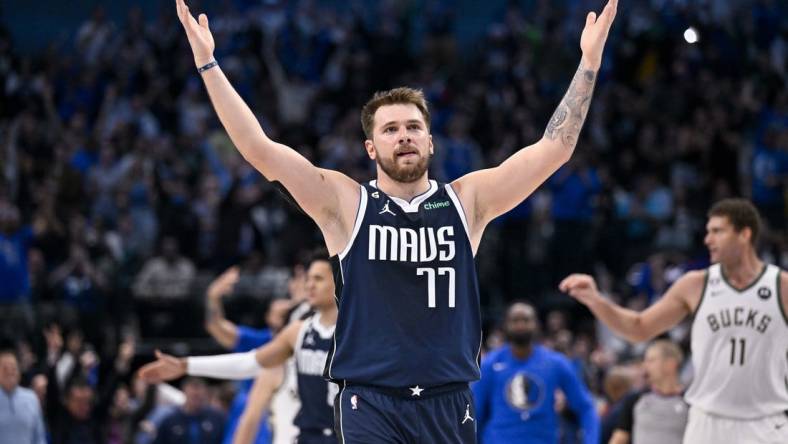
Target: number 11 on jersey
<point x="430" y="272"/>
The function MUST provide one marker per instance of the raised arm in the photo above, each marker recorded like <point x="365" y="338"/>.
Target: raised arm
<point x="680" y="300"/>
<point x="329" y="197"/>
<point x="486" y="194"/>
<point x="228" y="366"/>
<point x="219" y="327"/>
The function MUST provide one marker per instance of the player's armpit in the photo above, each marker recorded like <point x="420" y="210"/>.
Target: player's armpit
<point x="280" y="348"/>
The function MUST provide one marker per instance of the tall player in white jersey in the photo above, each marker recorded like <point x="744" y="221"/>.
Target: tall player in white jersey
<point x="739" y="393"/>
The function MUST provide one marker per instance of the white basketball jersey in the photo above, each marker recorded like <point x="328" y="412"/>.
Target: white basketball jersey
<point x="284" y="406"/>
<point x="740" y="348"/>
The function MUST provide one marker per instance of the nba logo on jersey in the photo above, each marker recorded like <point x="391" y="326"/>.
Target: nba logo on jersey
<point x="354" y="402"/>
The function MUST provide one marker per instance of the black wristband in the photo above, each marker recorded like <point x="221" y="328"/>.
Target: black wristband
<point x="207" y="66"/>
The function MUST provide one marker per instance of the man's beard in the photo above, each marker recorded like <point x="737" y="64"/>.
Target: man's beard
<point x="521" y="338"/>
<point x="404" y="174"/>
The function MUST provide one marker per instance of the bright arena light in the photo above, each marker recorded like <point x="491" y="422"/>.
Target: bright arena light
<point x="691" y="35"/>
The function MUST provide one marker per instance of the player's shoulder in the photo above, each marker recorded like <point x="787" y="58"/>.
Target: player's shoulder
<point x="694" y="277"/>
<point x="691" y="281"/>
<point x="26" y="394"/>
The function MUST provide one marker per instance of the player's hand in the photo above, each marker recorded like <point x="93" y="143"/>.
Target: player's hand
<point x="581" y="287"/>
<point x="200" y="38"/>
<point x="594" y="36"/>
<point x="223" y="285"/>
<point x="165" y="368"/>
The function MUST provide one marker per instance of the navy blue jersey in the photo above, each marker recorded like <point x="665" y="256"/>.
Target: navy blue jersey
<point x="407" y="292"/>
<point x="317" y="395"/>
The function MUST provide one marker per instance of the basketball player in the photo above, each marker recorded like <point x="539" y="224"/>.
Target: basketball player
<point x="309" y="341"/>
<point x="739" y="333"/>
<point x="402" y="246"/>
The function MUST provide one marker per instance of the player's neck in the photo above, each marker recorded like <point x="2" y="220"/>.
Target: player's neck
<point x="521" y="351"/>
<point x="742" y="271"/>
<point x="402" y="190"/>
<point x="328" y="316"/>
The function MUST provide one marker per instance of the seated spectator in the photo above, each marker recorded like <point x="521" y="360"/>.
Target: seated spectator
<point x="167" y="276"/>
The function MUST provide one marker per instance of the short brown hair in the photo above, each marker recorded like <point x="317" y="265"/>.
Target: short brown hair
<point x="741" y="213"/>
<point x="402" y="95"/>
<point x="668" y="349"/>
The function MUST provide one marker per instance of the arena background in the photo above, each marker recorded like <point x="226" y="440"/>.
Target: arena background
<point x="134" y="199"/>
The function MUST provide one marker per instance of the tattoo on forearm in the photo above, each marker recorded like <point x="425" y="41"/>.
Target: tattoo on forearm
<point x="568" y="118"/>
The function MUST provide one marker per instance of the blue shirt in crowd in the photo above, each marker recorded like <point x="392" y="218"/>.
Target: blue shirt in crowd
<point x="573" y="194"/>
<point x="515" y="398"/>
<point x="203" y="427"/>
<point x="13" y="265"/>
<point x="21" y="420"/>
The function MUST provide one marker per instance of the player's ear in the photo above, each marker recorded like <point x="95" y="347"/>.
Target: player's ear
<point x="432" y="147"/>
<point x="370" y="147"/>
<point x="746" y="234"/>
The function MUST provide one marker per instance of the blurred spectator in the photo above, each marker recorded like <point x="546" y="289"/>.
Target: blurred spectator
<point x="168" y="276"/>
<point x="79" y="285"/>
<point x="575" y="187"/>
<point x="457" y="154"/>
<point x="78" y="406"/>
<point x="659" y="413"/>
<point x="516" y="396"/>
<point x="194" y="422"/>
<point x="16" y="315"/>
<point x="20" y="412"/>
<point x="618" y="385"/>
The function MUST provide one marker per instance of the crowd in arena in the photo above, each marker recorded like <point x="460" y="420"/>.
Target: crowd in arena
<point x="121" y="195"/>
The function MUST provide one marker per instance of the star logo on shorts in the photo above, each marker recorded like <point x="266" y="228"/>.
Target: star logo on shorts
<point x="415" y="391"/>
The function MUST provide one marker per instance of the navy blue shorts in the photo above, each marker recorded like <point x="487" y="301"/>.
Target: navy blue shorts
<point x="377" y="415"/>
<point x="316" y="437"/>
